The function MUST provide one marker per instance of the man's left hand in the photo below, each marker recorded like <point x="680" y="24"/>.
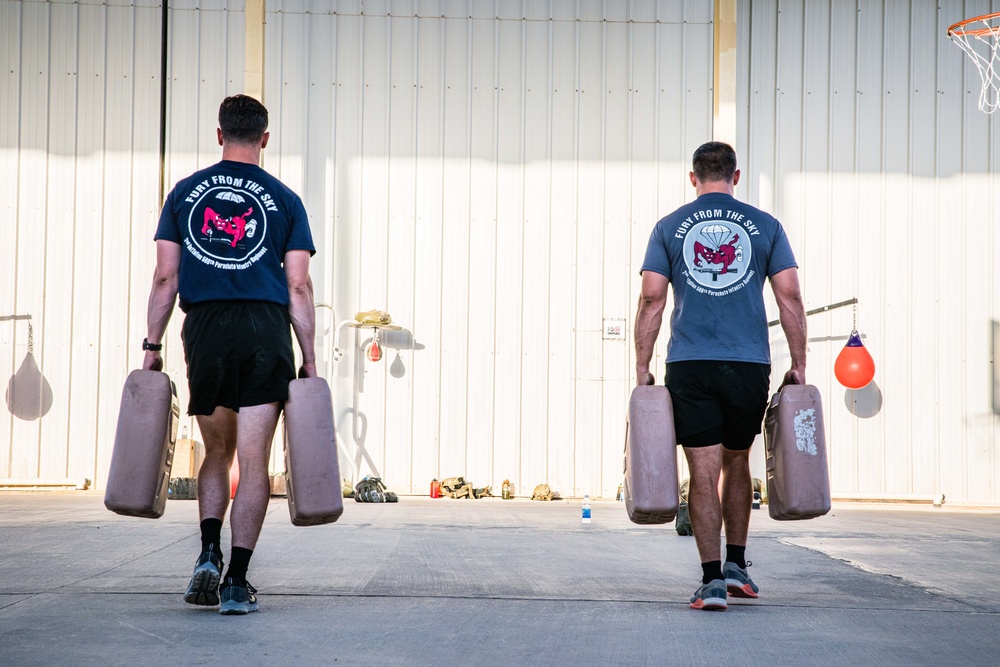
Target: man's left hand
<point x="152" y="361"/>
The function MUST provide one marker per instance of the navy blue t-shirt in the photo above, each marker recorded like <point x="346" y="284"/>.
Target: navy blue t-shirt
<point x="234" y="223"/>
<point x="716" y="252"/>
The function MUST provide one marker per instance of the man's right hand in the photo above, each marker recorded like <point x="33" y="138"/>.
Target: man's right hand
<point x="793" y="376"/>
<point x="645" y="378"/>
<point x="308" y="370"/>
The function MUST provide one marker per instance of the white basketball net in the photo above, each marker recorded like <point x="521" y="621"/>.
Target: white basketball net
<point x="980" y="39"/>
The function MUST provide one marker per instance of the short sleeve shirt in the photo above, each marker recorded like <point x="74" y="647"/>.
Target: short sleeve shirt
<point x="234" y="223"/>
<point x="717" y="251"/>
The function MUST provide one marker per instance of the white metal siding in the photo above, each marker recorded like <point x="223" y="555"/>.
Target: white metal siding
<point x="861" y="131"/>
<point x="489" y="173"/>
<point x="78" y="156"/>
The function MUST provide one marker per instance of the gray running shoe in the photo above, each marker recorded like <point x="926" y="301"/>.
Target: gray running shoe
<point x="738" y="582"/>
<point x="237" y="598"/>
<point x="204" y="586"/>
<point x="710" y="596"/>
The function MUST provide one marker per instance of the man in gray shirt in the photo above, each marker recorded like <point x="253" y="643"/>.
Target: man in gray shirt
<point x="716" y="252"/>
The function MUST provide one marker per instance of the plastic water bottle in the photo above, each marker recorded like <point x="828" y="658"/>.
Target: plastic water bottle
<point x="586" y="508"/>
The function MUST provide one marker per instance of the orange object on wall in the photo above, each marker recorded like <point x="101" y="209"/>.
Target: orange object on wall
<point x="854" y="367"/>
<point x="435" y="489"/>
<point x="374" y="351"/>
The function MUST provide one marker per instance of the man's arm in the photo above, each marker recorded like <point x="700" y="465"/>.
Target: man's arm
<point x="162" y="298"/>
<point x="652" y="301"/>
<point x="301" y="308"/>
<point x="792" y="314"/>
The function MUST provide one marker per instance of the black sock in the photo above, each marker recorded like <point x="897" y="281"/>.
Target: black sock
<point x="711" y="570"/>
<point x="736" y="554"/>
<point x="239" y="561"/>
<point x="211" y="535"/>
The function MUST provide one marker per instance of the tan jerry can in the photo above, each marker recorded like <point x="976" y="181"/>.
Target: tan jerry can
<point x="650" y="487"/>
<point x="144" y="446"/>
<point x="312" y="471"/>
<point x="798" y="476"/>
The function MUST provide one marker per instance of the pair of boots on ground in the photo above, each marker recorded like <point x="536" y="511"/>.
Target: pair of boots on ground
<point x="235" y="596"/>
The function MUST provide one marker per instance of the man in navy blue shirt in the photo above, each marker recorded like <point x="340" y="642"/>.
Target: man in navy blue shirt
<point x="716" y="252"/>
<point x="234" y="244"/>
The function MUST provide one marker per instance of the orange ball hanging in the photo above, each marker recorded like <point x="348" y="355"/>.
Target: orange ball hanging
<point x="854" y="367"/>
<point x="374" y="350"/>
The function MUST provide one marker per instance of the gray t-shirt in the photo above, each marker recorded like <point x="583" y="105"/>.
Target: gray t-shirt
<point x="716" y="252"/>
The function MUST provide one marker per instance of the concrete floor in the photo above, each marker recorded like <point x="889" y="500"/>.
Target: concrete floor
<point x="492" y="582"/>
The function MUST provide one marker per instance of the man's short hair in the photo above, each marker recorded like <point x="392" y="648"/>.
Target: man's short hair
<point x="714" y="161"/>
<point x="242" y="119"/>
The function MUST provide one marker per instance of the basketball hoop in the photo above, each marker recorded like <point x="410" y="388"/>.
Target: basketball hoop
<point x="979" y="37"/>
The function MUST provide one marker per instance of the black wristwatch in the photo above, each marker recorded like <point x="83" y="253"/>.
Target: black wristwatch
<point x="152" y="347"/>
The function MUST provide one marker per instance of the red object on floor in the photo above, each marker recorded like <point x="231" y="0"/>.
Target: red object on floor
<point x="234" y="477"/>
<point x="435" y="489"/>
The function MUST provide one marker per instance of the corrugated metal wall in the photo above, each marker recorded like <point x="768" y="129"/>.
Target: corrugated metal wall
<point x="861" y="131"/>
<point x="79" y="181"/>
<point x="78" y="154"/>
<point x="488" y="173"/>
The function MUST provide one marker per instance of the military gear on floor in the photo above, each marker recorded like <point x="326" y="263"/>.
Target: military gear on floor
<point x="457" y="487"/>
<point x="372" y="490"/>
<point x="542" y="492"/>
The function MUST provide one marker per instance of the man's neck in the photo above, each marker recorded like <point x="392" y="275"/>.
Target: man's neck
<point x="725" y="187"/>
<point x="241" y="153"/>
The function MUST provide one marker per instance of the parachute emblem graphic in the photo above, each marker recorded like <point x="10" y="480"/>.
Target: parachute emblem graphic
<point x="723" y="248"/>
<point x="230" y="196"/>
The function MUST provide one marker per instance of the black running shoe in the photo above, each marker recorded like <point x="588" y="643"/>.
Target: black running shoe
<point x="237" y="597"/>
<point x="204" y="586"/>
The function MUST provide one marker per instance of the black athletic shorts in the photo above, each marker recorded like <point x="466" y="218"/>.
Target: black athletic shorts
<point x="238" y="353"/>
<point x="718" y="401"/>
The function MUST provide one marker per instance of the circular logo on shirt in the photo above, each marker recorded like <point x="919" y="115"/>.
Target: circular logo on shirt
<point x="227" y="224"/>
<point x="716" y="254"/>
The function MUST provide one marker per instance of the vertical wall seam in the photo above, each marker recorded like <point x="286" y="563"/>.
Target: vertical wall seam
<point x="804" y="140"/>
<point x="496" y="237"/>
<point x="830" y="94"/>
<point x="415" y="125"/>
<point x="606" y="93"/>
<point x="857" y="211"/>
<point x="441" y="151"/>
<point x="937" y="264"/>
<point x="387" y="222"/>
<point x="72" y="267"/>
<point x="472" y="221"/>
<point x="909" y="210"/>
<point x="576" y="224"/>
<point x="883" y="216"/>
<point x="45" y="236"/>
<point x="522" y="124"/>
<point x="776" y="157"/>
<point x="17" y="218"/>
<point x="96" y="447"/>
<point x="550" y="102"/>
